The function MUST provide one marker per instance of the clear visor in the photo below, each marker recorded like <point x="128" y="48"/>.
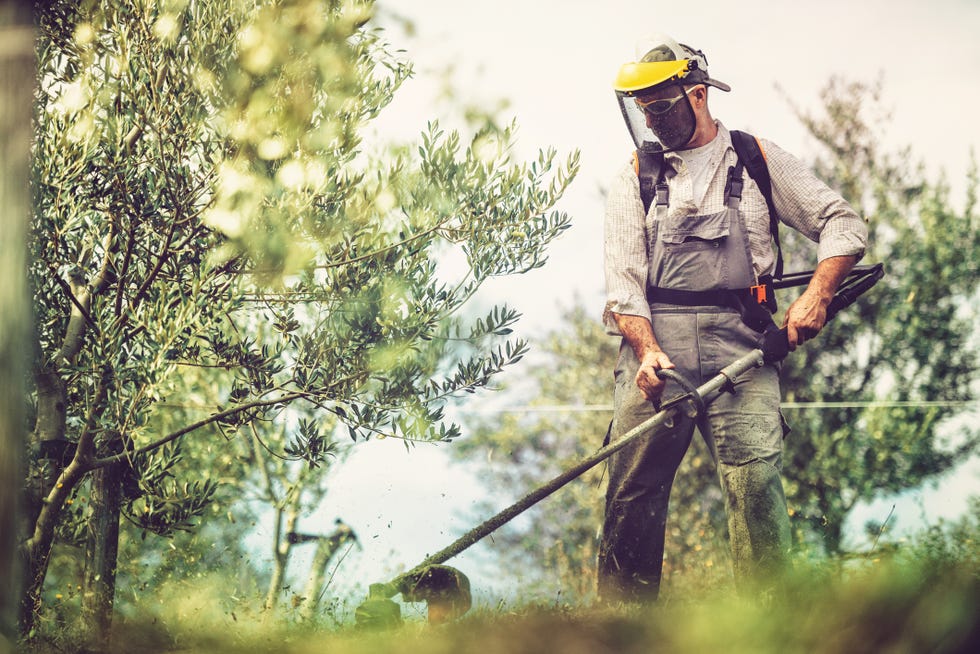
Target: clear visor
<point x="667" y="121"/>
<point x="636" y="121"/>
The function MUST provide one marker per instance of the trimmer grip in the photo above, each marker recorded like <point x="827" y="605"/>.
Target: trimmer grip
<point x="775" y="344"/>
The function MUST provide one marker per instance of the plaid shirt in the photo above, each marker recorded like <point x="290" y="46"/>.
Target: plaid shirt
<point x="802" y="201"/>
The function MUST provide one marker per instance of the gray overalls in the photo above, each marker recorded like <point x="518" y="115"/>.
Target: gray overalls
<point x="695" y="253"/>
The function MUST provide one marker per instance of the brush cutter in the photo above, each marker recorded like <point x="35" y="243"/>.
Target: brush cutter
<point x="447" y="590"/>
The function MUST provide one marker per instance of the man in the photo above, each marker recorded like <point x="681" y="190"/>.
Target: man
<point x="664" y="268"/>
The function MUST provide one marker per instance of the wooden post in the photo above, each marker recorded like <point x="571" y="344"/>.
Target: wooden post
<point x="101" y="549"/>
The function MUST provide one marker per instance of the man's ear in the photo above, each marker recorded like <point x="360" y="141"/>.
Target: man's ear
<point x="700" y="95"/>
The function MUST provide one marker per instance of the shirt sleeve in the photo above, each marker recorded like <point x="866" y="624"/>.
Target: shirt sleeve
<point x="808" y="205"/>
<point x="625" y="250"/>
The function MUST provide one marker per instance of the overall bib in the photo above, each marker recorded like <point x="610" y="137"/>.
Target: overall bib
<point x="695" y="253"/>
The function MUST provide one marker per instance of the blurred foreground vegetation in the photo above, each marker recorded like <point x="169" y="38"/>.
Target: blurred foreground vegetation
<point x="920" y="595"/>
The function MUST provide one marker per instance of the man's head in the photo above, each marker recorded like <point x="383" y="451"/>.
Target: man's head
<point x="664" y="95"/>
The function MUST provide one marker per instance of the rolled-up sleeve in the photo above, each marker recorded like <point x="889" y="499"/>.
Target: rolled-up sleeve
<point x="809" y="206"/>
<point x="625" y="251"/>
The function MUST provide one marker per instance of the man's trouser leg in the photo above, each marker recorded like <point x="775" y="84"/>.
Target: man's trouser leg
<point x="748" y="434"/>
<point x="640" y="477"/>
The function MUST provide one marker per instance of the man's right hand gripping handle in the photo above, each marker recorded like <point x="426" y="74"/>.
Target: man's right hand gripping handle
<point x="647" y="380"/>
<point x="639" y="334"/>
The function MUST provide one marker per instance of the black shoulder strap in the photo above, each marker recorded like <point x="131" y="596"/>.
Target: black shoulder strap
<point x="649" y="170"/>
<point x="749" y="151"/>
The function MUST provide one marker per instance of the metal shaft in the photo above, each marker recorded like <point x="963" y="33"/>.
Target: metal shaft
<point x="708" y="391"/>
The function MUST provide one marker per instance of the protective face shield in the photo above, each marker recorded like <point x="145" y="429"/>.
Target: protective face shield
<point x="665" y="116"/>
<point x="653" y="93"/>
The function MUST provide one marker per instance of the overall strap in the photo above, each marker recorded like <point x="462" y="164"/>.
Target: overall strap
<point x="749" y="151"/>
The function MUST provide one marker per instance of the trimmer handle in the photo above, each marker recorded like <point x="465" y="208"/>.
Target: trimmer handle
<point x="775" y="341"/>
<point x="774" y="344"/>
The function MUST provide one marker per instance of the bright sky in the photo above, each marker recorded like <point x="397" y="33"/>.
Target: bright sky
<point x="554" y="60"/>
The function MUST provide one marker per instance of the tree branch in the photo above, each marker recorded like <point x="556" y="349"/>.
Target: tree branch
<point x="162" y="256"/>
<point x="227" y="413"/>
<point x="393" y="246"/>
<point x="85" y="450"/>
<point x="81" y="299"/>
<point x="255" y="443"/>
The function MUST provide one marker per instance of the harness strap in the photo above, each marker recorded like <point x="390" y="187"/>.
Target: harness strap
<point x="649" y="166"/>
<point x="758" y="315"/>
<point x="713" y="298"/>
<point x="748" y="149"/>
<point x="734" y="184"/>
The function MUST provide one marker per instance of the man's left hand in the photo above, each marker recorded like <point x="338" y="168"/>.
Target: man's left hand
<point x="805" y="317"/>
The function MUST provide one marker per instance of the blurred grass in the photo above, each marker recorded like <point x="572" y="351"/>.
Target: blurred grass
<point x="909" y="598"/>
<point x="888" y="606"/>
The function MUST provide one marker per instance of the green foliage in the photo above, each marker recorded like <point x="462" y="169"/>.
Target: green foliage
<point x="215" y="249"/>
<point x="909" y="343"/>
<point x="949" y="545"/>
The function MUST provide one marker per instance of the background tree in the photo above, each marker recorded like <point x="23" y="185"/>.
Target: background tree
<point x="291" y="491"/>
<point x="205" y="202"/>
<point x="908" y="345"/>
<point x="883" y="381"/>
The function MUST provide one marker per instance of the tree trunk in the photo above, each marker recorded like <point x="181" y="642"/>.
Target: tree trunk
<point x="17" y="73"/>
<point x="37" y="548"/>
<point x="53" y="450"/>
<point x="326" y="548"/>
<point x="275" y="584"/>
<point x="311" y="594"/>
<point x="101" y="549"/>
<point x="282" y="546"/>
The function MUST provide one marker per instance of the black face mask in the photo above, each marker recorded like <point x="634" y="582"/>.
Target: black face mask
<point x="674" y="128"/>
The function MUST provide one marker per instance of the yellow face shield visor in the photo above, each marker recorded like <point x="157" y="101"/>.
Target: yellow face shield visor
<point x="636" y="77"/>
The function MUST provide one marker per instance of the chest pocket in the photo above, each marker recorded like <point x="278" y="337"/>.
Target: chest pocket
<point x="696" y="231"/>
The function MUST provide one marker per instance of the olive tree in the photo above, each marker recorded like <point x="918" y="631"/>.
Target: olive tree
<point x="205" y="205"/>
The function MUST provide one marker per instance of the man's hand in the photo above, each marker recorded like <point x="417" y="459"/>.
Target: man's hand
<point x="639" y="334"/>
<point x="807" y="315"/>
<point x="646" y="376"/>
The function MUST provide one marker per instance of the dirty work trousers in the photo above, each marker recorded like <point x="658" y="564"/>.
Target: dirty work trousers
<point x="748" y="433"/>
